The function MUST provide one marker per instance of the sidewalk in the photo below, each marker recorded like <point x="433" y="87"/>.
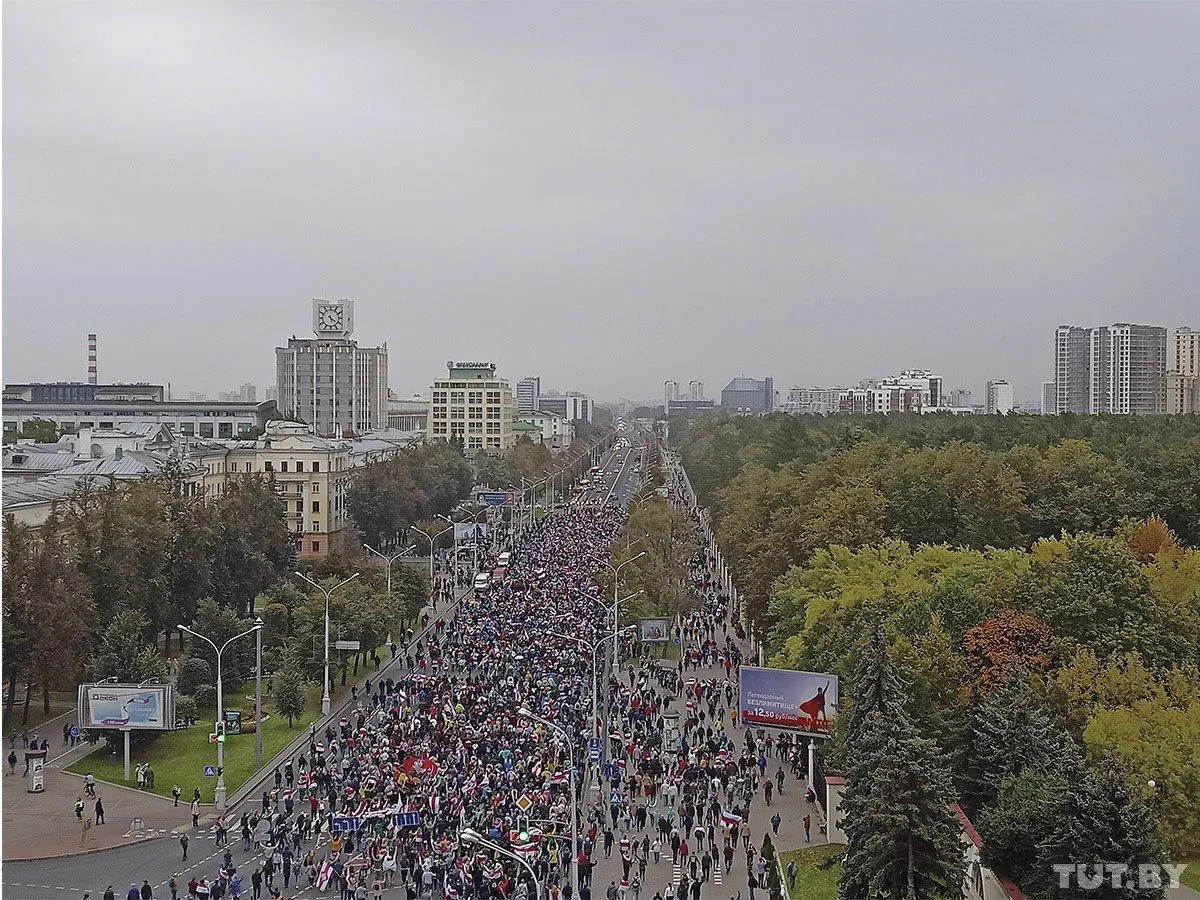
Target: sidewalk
<point x="789" y="804"/>
<point x="41" y="826"/>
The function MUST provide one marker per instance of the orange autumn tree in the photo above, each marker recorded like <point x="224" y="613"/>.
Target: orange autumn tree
<point x="1150" y="538"/>
<point x="1003" y="644"/>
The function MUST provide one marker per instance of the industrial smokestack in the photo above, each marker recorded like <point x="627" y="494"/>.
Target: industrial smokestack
<point x="91" y="359"/>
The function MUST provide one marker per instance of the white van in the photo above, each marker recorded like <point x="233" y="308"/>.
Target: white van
<point x="504" y="560"/>
<point x="482" y="581"/>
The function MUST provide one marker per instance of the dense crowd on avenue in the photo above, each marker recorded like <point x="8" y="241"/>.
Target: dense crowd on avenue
<point x="445" y="734"/>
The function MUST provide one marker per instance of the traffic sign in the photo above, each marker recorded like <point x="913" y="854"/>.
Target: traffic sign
<point x="212" y="738"/>
<point x="595" y="746"/>
<point x="210" y="771"/>
<point x="74" y="731"/>
<point x="346" y="645"/>
<point x="406" y="819"/>
<point x="345" y="823"/>
<point x="523" y="803"/>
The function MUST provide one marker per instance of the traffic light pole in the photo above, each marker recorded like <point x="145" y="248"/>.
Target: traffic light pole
<point x="219" y="793"/>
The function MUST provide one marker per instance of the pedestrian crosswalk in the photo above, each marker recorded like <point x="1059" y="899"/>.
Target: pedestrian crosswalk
<point x="676" y="874"/>
<point x="718" y="874"/>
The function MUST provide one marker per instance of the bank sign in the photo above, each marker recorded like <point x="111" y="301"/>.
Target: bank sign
<point x="781" y="698"/>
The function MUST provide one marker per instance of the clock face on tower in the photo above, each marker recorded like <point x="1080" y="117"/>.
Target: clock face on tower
<point x="333" y="317"/>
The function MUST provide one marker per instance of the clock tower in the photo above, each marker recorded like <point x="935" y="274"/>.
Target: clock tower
<point x="329" y="381"/>
<point x="333" y="318"/>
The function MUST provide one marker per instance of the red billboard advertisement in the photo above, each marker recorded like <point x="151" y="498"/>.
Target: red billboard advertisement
<point x="781" y="698"/>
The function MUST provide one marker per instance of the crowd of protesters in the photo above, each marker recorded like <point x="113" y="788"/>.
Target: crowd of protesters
<point x="441" y="734"/>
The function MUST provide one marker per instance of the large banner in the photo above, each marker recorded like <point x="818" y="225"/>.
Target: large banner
<point x="780" y="698"/>
<point x="654" y="630"/>
<point x="126" y="706"/>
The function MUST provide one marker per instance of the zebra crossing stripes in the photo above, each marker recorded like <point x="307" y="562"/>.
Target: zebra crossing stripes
<point x="676" y="874"/>
<point x="718" y="873"/>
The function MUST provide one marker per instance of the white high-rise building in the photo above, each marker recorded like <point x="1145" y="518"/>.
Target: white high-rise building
<point x="1129" y="370"/>
<point x="999" y="398"/>
<point x="1049" y="398"/>
<point x="1119" y="369"/>
<point x="1072" y="369"/>
<point x="529" y="394"/>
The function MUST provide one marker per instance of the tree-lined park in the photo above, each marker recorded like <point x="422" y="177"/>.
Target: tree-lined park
<point x="1013" y="606"/>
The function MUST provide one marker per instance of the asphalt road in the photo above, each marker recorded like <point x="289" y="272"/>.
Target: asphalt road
<point x="621" y="479"/>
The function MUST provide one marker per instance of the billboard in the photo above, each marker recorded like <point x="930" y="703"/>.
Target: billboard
<point x="464" y="532"/>
<point x="495" y="498"/>
<point x="127" y="706"/>
<point x="780" y="698"/>
<point x="654" y="630"/>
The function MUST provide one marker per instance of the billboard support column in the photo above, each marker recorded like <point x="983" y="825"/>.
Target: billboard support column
<point x="812" y="763"/>
<point x="125" y="732"/>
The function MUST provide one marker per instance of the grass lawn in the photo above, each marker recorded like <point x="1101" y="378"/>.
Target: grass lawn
<point x="60" y="702"/>
<point x="179" y="757"/>
<point x="1191" y="875"/>
<point x="813" y="882"/>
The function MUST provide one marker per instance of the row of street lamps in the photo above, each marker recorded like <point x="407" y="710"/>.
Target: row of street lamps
<point x="256" y="630"/>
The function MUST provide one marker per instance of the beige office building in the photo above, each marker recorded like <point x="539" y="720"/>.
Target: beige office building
<point x="472" y="404"/>
<point x="312" y="474"/>
<point x="1183" y="379"/>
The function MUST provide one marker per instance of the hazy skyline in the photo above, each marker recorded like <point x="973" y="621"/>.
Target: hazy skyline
<point x="606" y="195"/>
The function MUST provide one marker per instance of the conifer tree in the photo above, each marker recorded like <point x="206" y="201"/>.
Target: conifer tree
<point x="1100" y="821"/>
<point x="1012" y="735"/>
<point x="902" y="839"/>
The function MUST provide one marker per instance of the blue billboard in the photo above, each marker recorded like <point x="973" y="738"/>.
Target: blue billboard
<point x="781" y="698"/>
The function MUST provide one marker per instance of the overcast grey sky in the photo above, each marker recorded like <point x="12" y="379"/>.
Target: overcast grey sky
<point x="608" y="195"/>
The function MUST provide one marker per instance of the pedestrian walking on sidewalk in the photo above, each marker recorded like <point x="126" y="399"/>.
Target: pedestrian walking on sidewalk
<point x="196" y="813"/>
<point x="99" y="810"/>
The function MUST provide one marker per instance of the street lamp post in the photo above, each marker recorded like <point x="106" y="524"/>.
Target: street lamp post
<point x="388" y="560"/>
<point x="558" y="729"/>
<point x="219" y="794"/>
<point x="258" y="722"/>
<point x="432" y="541"/>
<point x="452" y="524"/>
<point x="328" y="594"/>
<point x="475" y="536"/>
<point x="616" y="584"/>
<point x="471" y="836"/>
<point x="594" y="649"/>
